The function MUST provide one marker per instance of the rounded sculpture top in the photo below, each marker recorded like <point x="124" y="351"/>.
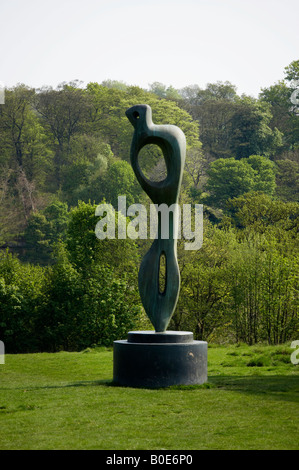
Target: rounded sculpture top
<point x="139" y="114"/>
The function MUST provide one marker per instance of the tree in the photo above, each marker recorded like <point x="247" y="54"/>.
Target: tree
<point x="230" y="178"/>
<point x="245" y="277"/>
<point x="231" y="126"/>
<point x="278" y="96"/>
<point x="287" y="180"/>
<point x="196" y="166"/>
<point x="14" y="116"/>
<point x="285" y="113"/>
<point x="118" y="85"/>
<point x="163" y="91"/>
<point x="25" y="155"/>
<point x="63" y="112"/>
<point x="120" y="180"/>
<point x="77" y="310"/>
<point x="265" y="171"/>
<point x="20" y="289"/>
<point x="85" y="249"/>
<point x="189" y="95"/>
<point x="251" y="133"/>
<point x="44" y="229"/>
<point x="204" y="297"/>
<point x="264" y="290"/>
<point x="218" y="91"/>
<point x="82" y="179"/>
<point x="292" y="71"/>
<point x="108" y="119"/>
<point x="257" y="212"/>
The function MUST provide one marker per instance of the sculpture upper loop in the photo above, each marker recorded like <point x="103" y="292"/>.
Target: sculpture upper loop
<point x="172" y="142"/>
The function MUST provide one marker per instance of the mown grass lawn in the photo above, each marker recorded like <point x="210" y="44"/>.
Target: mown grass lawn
<point x="67" y="401"/>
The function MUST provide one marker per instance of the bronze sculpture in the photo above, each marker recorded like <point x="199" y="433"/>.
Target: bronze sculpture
<point x="159" y="358"/>
<point x="158" y="305"/>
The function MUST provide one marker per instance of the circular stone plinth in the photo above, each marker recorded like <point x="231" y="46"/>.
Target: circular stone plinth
<point x="154" y="365"/>
<point x="165" y="337"/>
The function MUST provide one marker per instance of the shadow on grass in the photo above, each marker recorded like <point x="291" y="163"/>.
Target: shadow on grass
<point x="276" y="386"/>
<point x="85" y="383"/>
<point x="110" y="383"/>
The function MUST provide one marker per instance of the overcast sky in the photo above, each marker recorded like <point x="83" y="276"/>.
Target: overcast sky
<point x="176" y="42"/>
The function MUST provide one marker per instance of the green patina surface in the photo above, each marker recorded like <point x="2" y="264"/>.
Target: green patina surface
<point x="158" y="305"/>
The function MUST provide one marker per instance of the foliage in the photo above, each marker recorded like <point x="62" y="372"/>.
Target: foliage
<point x="285" y="114"/>
<point x="79" y="310"/>
<point x="66" y="150"/>
<point x="124" y="183"/>
<point x="264" y="292"/>
<point x="43" y="230"/>
<point x="164" y="92"/>
<point x="90" y="157"/>
<point x="204" y="291"/>
<point x="86" y="250"/>
<point x="230" y="178"/>
<point x="242" y="285"/>
<point x="63" y="113"/>
<point x="25" y="158"/>
<point x="257" y="211"/>
<point x="233" y="126"/>
<point x="20" y="290"/>
<point x="287" y="180"/>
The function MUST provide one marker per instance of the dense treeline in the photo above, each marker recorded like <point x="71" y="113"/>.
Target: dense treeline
<point x="65" y="150"/>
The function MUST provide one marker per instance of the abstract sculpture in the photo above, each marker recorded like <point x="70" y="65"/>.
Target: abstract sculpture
<point x="158" y="305"/>
<point x="159" y="358"/>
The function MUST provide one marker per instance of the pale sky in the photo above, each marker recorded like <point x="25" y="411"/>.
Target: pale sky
<point x="176" y="42"/>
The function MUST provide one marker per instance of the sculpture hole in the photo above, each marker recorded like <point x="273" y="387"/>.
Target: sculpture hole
<point x="152" y="163"/>
<point x="162" y="273"/>
<point x="136" y="115"/>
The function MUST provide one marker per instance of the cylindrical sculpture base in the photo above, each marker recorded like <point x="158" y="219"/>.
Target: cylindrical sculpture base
<point x="152" y="360"/>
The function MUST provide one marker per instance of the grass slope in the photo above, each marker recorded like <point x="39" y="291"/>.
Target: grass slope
<point x="67" y="401"/>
